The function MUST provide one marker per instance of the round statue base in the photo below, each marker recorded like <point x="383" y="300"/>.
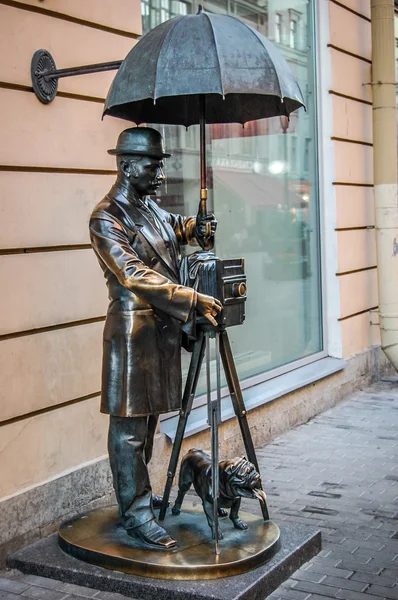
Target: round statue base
<point x="98" y="538"/>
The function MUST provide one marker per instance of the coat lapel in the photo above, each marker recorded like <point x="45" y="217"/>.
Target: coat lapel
<point x="168" y="232"/>
<point x="136" y="218"/>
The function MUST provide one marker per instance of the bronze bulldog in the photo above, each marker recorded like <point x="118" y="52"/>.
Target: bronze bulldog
<point x="238" y="479"/>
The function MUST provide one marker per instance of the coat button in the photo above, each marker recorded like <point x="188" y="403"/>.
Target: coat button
<point x="154" y="261"/>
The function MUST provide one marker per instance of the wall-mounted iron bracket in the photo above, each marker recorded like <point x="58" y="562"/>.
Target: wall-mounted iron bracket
<point x="45" y="75"/>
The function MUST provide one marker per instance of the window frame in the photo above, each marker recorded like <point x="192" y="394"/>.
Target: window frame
<point x="296" y="364"/>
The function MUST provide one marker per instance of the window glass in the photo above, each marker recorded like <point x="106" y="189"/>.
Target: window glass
<point x="278" y="28"/>
<point x="263" y="189"/>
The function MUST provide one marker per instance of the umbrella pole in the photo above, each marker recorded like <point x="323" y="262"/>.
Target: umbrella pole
<point x="203" y="157"/>
<point x="202" y="211"/>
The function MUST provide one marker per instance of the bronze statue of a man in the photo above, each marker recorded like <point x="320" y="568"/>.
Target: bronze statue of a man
<point x="138" y="247"/>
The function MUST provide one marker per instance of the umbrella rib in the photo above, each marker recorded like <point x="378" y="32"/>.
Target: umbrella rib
<point x="218" y="58"/>
<point x="168" y="32"/>
<point x="254" y="32"/>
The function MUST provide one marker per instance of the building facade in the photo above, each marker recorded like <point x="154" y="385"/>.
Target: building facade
<point x="295" y="198"/>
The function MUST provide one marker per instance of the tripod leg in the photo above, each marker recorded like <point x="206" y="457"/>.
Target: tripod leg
<point x="186" y="406"/>
<point x="239" y="405"/>
<point x="214" y="421"/>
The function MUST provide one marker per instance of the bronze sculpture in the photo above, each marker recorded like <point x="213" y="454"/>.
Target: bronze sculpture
<point x="238" y="478"/>
<point x="138" y="247"/>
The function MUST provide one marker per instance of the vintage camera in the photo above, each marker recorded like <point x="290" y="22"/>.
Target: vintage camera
<point x="223" y="279"/>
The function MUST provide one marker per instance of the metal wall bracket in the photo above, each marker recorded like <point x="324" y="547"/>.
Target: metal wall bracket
<point x="45" y="75"/>
<point x="44" y="88"/>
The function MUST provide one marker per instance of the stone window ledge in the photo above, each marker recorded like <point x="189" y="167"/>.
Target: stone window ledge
<point x="259" y="394"/>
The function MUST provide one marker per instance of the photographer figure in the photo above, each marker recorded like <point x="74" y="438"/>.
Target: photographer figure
<point x="138" y="247"/>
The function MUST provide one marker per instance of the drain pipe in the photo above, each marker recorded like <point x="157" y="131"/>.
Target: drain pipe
<point x="385" y="171"/>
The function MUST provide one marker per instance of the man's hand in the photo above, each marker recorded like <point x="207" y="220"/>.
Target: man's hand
<point x="209" y="307"/>
<point x="205" y="225"/>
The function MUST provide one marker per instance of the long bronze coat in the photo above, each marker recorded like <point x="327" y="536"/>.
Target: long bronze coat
<point x="139" y="255"/>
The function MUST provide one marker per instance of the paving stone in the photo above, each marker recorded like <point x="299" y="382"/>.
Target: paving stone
<point x="335" y="538"/>
<point x="315" y="588"/>
<point x="373" y="544"/>
<point x="73" y="597"/>
<point x="384" y="592"/>
<point x="40" y="581"/>
<point x="292" y="594"/>
<point x="347" y="555"/>
<point x="350" y="595"/>
<point x="10" y="585"/>
<point x="8" y="596"/>
<point x="327" y="562"/>
<point x="382" y="559"/>
<point x="332" y="571"/>
<point x="318" y="597"/>
<point x="77" y="590"/>
<point x="389" y="572"/>
<point x="376" y="579"/>
<point x="41" y="593"/>
<point x="109" y="596"/>
<point x="308" y="576"/>
<point x="345" y="584"/>
<point x="372" y="569"/>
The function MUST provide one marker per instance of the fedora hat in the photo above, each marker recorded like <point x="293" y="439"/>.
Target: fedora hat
<point x="142" y="141"/>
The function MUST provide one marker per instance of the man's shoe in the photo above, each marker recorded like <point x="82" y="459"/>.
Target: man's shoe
<point x="152" y="534"/>
<point x="157" y="501"/>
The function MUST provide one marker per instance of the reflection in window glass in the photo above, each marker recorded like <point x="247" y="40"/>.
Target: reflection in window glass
<point x="293" y="29"/>
<point x="155" y="12"/>
<point x="278" y="28"/>
<point x="263" y="189"/>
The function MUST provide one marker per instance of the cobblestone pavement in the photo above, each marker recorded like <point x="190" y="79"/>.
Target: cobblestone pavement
<point x="339" y="472"/>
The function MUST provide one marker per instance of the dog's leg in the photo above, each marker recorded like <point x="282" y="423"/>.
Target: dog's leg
<point x="222" y="512"/>
<point x="184" y="483"/>
<point x="208" y="508"/>
<point x="233" y="515"/>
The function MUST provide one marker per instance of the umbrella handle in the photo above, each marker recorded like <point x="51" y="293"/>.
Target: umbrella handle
<point x="202" y="211"/>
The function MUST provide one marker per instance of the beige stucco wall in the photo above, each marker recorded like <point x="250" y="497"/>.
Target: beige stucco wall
<point x="350" y="52"/>
<point x="53" y="169"/>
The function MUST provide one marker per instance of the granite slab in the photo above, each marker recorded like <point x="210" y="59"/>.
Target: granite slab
<point x="298" y="545"/>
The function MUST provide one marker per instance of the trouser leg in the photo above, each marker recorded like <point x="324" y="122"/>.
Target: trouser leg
<point x="127" y="441"/>
<point x="152" y="425"/>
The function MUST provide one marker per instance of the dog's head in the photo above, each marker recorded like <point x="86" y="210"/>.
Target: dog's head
<point x="239" y="478"/>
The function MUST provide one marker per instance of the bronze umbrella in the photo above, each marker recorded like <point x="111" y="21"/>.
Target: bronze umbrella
<point x="203" y="68"/>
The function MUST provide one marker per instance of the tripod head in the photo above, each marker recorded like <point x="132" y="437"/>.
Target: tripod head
<point x="202" y="324"/>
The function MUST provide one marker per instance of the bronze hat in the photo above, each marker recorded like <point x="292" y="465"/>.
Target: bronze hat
<point x="143" y="141"/>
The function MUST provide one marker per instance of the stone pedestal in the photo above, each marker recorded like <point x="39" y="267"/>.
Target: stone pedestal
<point x="297" y="545"/>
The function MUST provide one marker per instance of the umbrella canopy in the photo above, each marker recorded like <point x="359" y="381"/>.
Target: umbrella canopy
<point x="240" y="73"/>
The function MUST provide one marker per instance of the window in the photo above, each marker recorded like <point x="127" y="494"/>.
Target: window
<point x="155" y="12"/>
<point x="278" y="28"/>
<point x="263" y="190"/>
<point x="293" y="154"/>
<point x="306" y="164"/>
<point x="294" y="22"/>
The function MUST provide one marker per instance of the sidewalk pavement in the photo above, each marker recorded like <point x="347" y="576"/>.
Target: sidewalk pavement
<point x="338" y="472"/>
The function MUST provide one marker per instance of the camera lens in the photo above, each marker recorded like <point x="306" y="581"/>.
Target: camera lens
<point x="239" y="289"/>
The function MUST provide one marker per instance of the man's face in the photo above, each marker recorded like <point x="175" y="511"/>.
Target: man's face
<point x="146" y="174"/>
